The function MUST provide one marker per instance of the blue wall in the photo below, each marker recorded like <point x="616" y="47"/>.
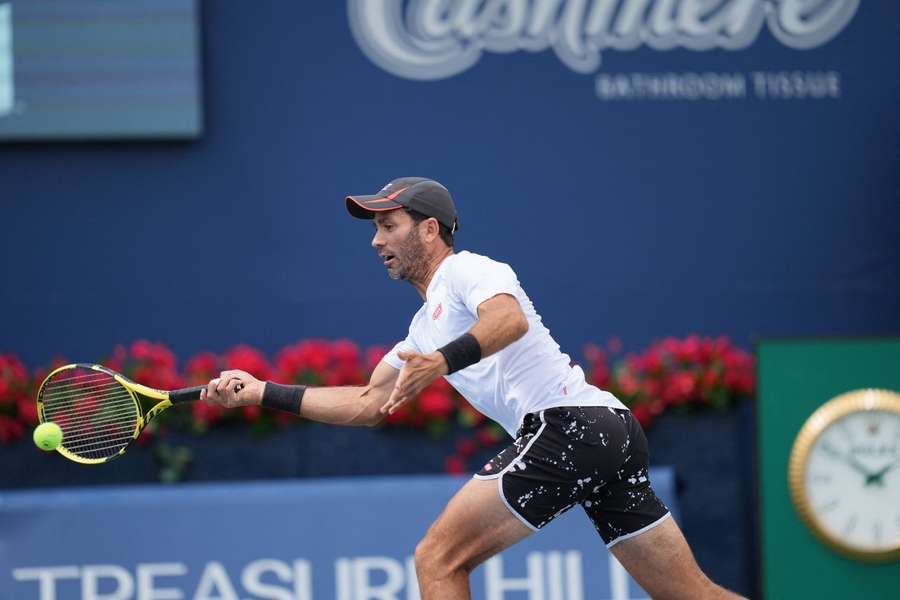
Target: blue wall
<point x="348" y="539"/>
<point x="641" y="218"/>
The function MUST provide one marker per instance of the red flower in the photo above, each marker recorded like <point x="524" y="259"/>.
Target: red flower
<point x="708" y="382"/>
<point x="202" y="367"/>
<point x="651" y="388"/>
<point x="345" y="353"/>
<point x="667" y="345"/>
<point x="614" y="345"/>
<point x="442" y="385"/>
<point x="27" y="410"/>
<point x="10" y="429"/>
<point x="251" y="360"/>
<point x="465" y="447"/>
<point x="642" y="413"/>
<point x="141" y="350"/>
<point x="399" y="416"/>
<point x="598" y="365"/>
<point x="307" y="355"/>
<point x="159" y="377"/>
<point x="145" y="436"/>
<point x="688" y="351"/>
<point x="651" y="361"/>
<point x="374" y="355"/>
<point x="680" y="388"/>
<point x="316" y="354"/>
<point x="706" y="351"/>
<point x="205" y="414"/>
<point x="14" y="378"/>
<point x="251" y="412"/>
<point x="488" y="436"/>
<point x="435" y="403"/>
<point x="156" y="354"/>
<point x="454" y="465"/>
<point x="656" y="407"/>
<point x="594" y="353"/>
<point x="116" y="361"/>
<point x="628" y="383"/>
<point x="12" y="368"/>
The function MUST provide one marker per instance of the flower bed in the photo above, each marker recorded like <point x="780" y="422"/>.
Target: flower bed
<point x="680" y="374"/>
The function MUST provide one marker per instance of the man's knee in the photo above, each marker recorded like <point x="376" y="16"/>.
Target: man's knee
<point x="437" y="560"/>
<point x="426" y="557"/>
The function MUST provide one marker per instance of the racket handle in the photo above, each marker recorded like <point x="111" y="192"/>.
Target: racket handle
<point x="190" y="394"/>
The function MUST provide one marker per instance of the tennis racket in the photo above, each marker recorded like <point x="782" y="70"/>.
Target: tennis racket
<point x="99" y="410"/>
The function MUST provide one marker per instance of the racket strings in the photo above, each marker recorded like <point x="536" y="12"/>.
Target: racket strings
<point x="81" y="391"/>
<point x="77" y="381"/>
<point x="97" y="414"/>
<point x="110" y="419"/>
<point x="72" y="406"/>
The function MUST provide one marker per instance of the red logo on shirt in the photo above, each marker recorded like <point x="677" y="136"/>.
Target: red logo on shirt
<point x="437" y="311"/>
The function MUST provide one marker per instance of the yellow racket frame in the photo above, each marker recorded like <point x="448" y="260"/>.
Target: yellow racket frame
<point x="132" y="388"/>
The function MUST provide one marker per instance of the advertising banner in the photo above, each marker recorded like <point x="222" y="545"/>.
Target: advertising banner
<point x="341" y="539"/>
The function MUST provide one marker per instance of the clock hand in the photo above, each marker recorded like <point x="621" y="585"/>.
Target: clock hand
<point x="877" y="477"/>
<point x="848" y="459"/>
<point x="855" y="464"/>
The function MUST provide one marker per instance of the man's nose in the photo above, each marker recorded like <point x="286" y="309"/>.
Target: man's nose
<point x="377" y="242"/>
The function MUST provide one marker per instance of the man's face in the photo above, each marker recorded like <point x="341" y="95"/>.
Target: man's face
<point x="398" y="244"/>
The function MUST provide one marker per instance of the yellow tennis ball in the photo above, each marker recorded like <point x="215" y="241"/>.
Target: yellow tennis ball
<point x="47" y="436"/>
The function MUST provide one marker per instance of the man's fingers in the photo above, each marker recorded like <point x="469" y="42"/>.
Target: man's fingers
<point x="398" y="400"/>
<point x="211" y="388"/>
<point x="229" y="380"/>
<point x="385" y="409"/>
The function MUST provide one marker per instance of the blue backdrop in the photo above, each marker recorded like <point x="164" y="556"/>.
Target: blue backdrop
<point x="340" y="539"/>
<point x="731" y="173"/>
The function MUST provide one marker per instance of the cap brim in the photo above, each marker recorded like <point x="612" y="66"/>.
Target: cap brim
<point x="365" y="207"/>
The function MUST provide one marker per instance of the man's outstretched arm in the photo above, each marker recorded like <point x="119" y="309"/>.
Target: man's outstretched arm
<point x="346" y="405"/>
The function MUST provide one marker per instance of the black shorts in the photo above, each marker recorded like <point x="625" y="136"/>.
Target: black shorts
<point x="595" y="456"/>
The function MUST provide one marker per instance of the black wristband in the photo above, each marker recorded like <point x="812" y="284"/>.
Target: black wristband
<point x="283" y="397"/>
<point x="461" y="352"/>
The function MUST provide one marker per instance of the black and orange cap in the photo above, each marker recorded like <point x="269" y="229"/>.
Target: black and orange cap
<point x="420" y="194"/>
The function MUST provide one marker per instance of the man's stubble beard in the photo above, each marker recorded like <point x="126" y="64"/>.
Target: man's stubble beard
<point x="414" y="265"/>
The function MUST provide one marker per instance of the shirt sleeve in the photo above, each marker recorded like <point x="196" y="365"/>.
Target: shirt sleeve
<point x="391" y="357"/>
<point x="479" y="278"/>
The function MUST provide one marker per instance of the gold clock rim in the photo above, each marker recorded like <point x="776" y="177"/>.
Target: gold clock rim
<point x="868" y="399"/>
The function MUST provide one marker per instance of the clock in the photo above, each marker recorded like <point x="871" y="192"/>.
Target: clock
<point x="844" y="474"/>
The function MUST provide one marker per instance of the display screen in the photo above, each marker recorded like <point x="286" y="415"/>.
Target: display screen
<point x="83" y="69"/>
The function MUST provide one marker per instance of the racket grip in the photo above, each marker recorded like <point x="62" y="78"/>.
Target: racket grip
<point x="186" y="394"/>
<point x="190" y="394"/>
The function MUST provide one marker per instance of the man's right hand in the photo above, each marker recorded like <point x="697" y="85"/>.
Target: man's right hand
<point x="221" y="390"/>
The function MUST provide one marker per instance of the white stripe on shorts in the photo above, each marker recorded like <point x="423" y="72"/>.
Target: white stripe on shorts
<point x="499" y="476"/>
<point x="639" y="531"/>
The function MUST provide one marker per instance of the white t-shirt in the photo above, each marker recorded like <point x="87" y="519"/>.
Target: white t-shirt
<point x="529" y="375"/>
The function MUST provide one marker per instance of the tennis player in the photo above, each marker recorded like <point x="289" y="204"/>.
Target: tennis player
<point x="573" y="443"/>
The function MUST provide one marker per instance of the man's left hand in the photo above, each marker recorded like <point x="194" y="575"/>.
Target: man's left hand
<point x="418" y="372"/>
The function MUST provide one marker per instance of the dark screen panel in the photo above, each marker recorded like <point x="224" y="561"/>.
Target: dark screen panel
<point x="99" y="69"/>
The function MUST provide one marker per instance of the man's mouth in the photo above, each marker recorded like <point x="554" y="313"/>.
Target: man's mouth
<point x="387" y="258"/>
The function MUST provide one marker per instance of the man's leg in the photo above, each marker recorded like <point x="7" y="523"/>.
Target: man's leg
<point x="474" y="526"/>
<point x="660" y="560"/>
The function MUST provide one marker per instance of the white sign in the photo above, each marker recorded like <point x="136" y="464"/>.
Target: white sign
<point x="6" y="60"/>
<point x="549" y="576"/>
<point x="436" y="39"/>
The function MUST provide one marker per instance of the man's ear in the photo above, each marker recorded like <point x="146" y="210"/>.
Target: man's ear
<point x="432" y="228"/>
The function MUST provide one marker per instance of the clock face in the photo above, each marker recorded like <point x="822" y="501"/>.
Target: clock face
<point x="845" y="477"/>
<point x="853" y="480"/>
